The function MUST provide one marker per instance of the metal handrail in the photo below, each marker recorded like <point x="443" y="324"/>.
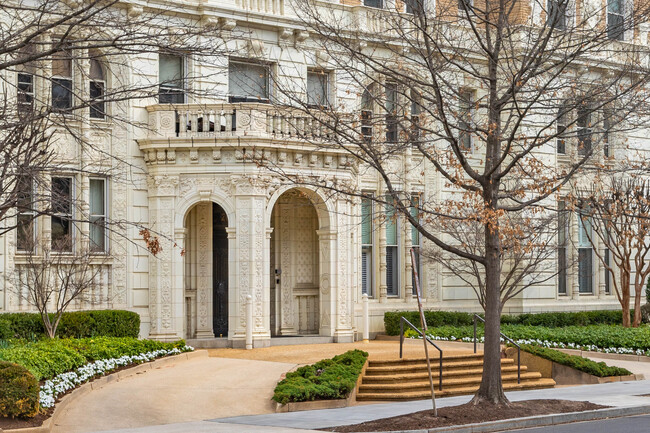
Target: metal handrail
<point x="401" y="342"/>
<point x="510" y="340"/>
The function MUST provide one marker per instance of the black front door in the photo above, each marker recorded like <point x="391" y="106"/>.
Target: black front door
<point x="219" y="272"/>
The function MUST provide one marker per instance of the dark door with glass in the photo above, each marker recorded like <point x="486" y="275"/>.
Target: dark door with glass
<point x="219" y="272"/>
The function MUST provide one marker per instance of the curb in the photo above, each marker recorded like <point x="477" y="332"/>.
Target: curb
<point x="102" y="381"/>
<point x="536" y="421"/>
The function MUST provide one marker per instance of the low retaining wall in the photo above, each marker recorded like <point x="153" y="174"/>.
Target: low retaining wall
<point x="561" y="374"/>
<point x="325" y="404"/>
<point x="102" y="381"/>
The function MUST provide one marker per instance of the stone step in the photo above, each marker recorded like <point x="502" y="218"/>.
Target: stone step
<point x="419" y="375"/>
<point x="450" y="391"/>
<point x="422" y="360"/>
<point x="451" y="383"/>
<point x="414" y="368"/>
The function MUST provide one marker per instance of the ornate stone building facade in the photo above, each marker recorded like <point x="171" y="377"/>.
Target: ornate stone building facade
<point x="188" y="168"/>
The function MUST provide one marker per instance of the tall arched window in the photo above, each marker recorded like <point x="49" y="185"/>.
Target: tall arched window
<point x="97" y="90"/>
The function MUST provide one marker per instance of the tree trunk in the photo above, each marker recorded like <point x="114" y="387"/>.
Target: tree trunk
<point x="491" y="389"/>
<point x="637" y="305"/>
<point x="625" y="298"/>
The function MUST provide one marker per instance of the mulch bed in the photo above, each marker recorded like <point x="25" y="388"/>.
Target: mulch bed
<point x="469" y="414"/>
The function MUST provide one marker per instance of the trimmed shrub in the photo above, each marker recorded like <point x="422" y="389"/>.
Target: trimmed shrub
<point x="19" y="391"/>
<point x="327" y="379"/>
<point x="75" y="324"/>
<point x="594" y="368"/>
<point x="549" y="320"/>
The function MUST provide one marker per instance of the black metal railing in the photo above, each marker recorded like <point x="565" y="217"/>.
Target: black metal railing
<point x="401" y="342"/>
<point x="510" y="340"/>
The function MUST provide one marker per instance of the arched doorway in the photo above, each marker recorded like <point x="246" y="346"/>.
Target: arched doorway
<point x="206" y="272"/>
<point x="295" y="266"/>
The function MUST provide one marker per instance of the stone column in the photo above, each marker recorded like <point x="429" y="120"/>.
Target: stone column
<point x="329" y="282"/>
<point x="204" y="270"/>
<point x="164" y="323"/>
<point x="340" y="261"/>
<point x="250" y="201"/>
<point x="233" y="317"/>
<point x="178" y="279"/>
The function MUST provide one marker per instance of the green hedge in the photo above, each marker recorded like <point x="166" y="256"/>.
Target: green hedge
<point x="47" y="358"/>
<point x="19" y="391"/>
<point x="327" y="379"/>
<point x="594" y="368"/>
<point x="550" y="320"/>
<point x="597" y="336"/>
<point x="77" y="324"/>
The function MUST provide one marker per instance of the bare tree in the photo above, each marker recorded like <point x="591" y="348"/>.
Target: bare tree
<point x="502" y="102"/>
<point x="52" y="282"/>
<point x="615" y="217"/>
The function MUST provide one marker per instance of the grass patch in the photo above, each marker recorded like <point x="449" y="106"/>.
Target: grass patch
<point x="594" y="368"/>
<point x="325" y="380"/>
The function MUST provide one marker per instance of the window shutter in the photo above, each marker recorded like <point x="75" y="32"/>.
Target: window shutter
<point x="366" y="266"/>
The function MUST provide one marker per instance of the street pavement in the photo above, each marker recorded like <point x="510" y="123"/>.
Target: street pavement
<point x="632" y="424"/>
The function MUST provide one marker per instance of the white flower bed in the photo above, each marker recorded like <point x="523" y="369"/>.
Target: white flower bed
<point x="52" y="388"/>
<point x="552" y="345"/>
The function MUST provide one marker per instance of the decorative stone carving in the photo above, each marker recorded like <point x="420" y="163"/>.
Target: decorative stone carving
<point x="194" y="156"/>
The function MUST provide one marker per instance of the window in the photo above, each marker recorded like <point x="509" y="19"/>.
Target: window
<point x="615" y="20"/>
<point x="561" y="127"/>
<point x="556" y="14"/>
<point x="585" y="253"/>
<point x="171" y="73"/>
<point x="391" y="112"/>
<point x="465" y="118"/>
<point x="465" y="6"/>
<point x="374" y="3"/>
<point x="98" y="215"/>
<point x="25" y="87"/>
<point x="392" y="252"/>
<point x="608" y="277"/>
<point x="248" y="82"/>
<point x="415" y="240"/>
<point x="367" y="241"/>
<point x="62" y="82"/>
<point x="584" y="130"/>
<point x="415" y="7"/>
<point x="416" y="111"/>
<point x="25" y="213"/>
<point x="317" y="89"/>
<point x="562" y="235"/>
<point x="366" y="117"/>
<point x="97" y="89"/>
<point x="607" y="126"/>
<point x="61" y="197"/>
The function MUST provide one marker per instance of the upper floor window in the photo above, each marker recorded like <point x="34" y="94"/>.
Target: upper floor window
<point x="61" y="219"/>
<point x="560" y="130"/>
<point x="374" y="3"/>
<point x="607" y="127"/>
<point x="416" y="111"/>
<point x="415" y="7"/>
<point x="416" y="240"/>
<point x="248" y="82"/>
<point x="25" y="87"/>
<point x="556" y="14"/>
<point x="584" y="129"/>
<point x="562" y="236"/>
<point x="98" y="207"/>
<point x="367" y="246"/>
<point x="585" y="253"/>
<point x="317" y="89"/>
<point x="97" y="90"/>
<point x="171" y="73"/>
<point x="465" y="120"/>
<point x="391" y="112"/>
<point x="62" y="81"/>
<point x="366" y="116"/>
<point x="615" y="19"/>
<point x="465" y="6"/>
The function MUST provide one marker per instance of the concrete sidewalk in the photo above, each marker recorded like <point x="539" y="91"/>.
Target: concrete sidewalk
<point x="617" y="394"/>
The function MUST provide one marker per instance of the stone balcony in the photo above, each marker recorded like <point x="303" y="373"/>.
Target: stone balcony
<point x="243" y="131"/>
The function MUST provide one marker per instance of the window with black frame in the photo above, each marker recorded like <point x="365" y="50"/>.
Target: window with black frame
<point x="391" y="96"/>
<point x="584" y="129"/>
<point x="556" y="16"/>
<point x="379" y="4"/>
<point x="367" y="106"/>
<point x="62" y="96"/>
<point x="615" y="20"/>
<point x="98" y="214"/>
<point x="317" y="89"/>
<point x="171" y="76"/>
<point x="26" y="213"/>
<point x="25" y="89"/>
<point x="61" y="218"/>
<point x="97" y="90"/>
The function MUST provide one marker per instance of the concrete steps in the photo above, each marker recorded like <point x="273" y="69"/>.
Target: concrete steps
<point x="407" y="379"/>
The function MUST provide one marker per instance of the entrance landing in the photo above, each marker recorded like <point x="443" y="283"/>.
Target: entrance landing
<point x="224" y="343"/>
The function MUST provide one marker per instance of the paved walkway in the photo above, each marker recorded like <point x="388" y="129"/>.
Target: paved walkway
<point x="194" y="390"/>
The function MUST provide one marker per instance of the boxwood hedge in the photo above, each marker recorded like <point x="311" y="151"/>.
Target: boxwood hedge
<point x="586" y="365"/>
<point x="550" y="320"/>
<point x="19" y="391"/>
<point x="327" y="379"/>
<point x="77" y="324"/>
